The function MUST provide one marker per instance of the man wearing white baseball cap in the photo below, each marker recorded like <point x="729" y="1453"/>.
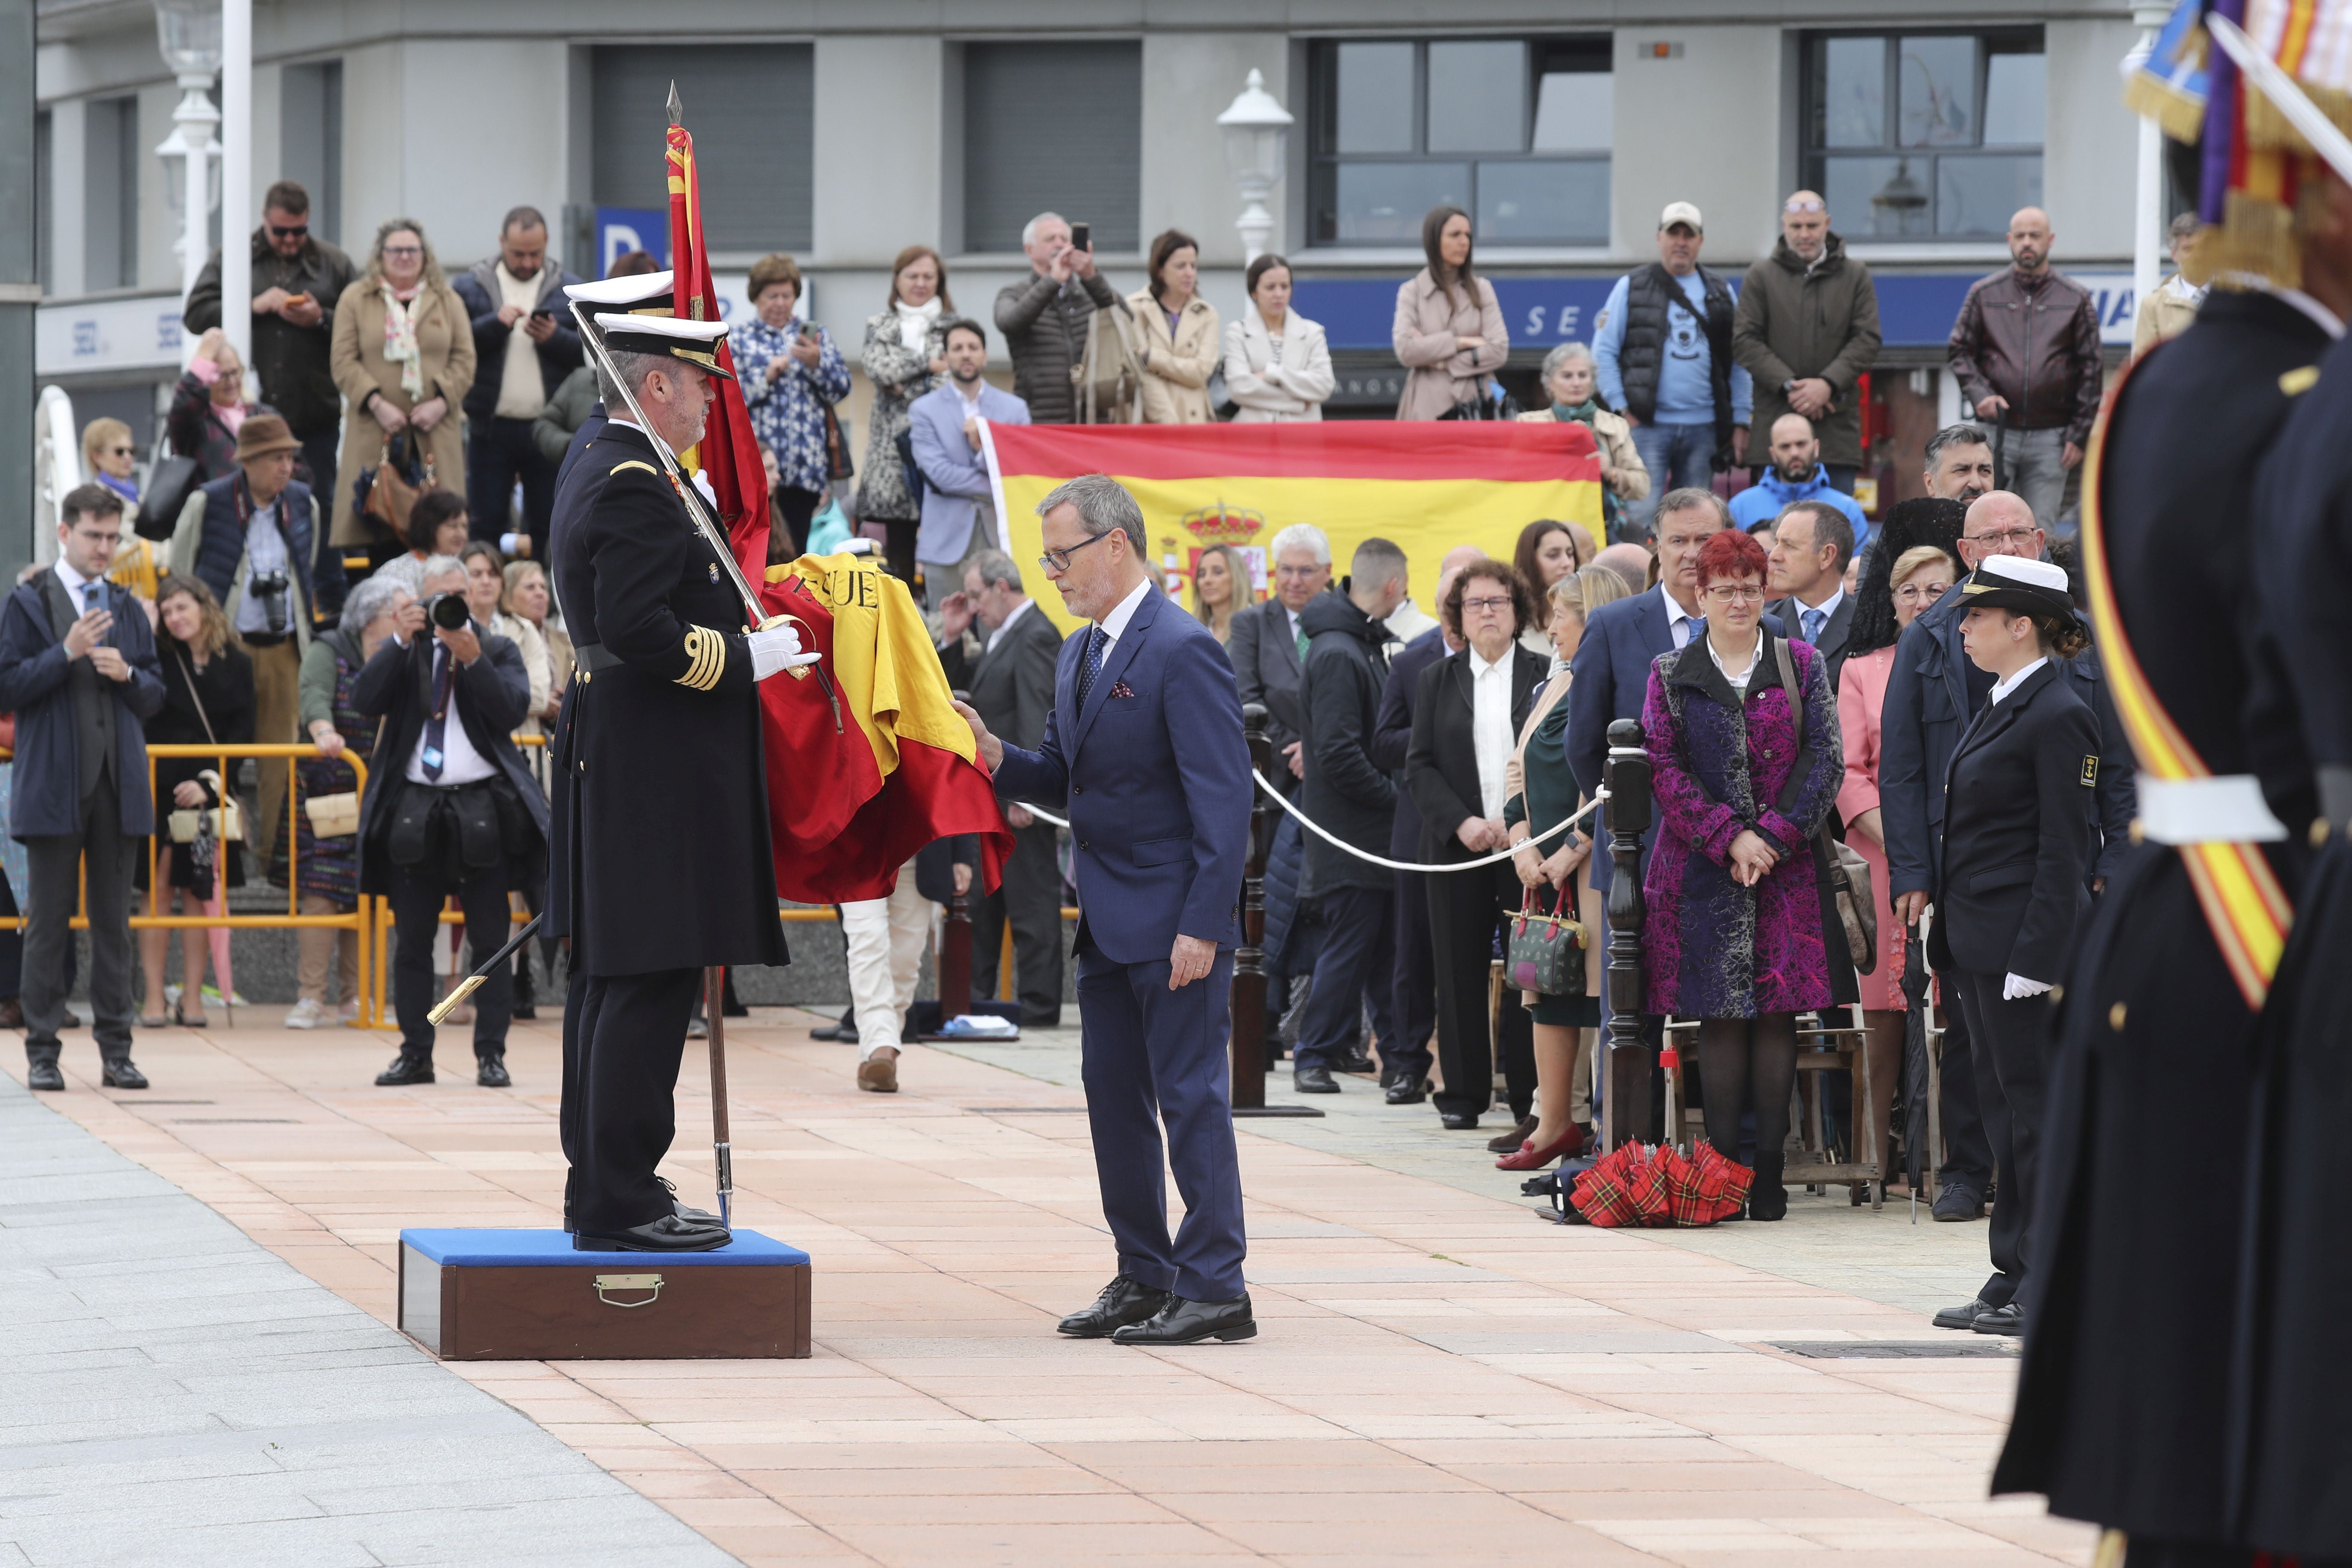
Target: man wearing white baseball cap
<point x="1662" y="351"/>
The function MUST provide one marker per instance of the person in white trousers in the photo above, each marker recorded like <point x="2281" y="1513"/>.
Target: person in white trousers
<point x="887" y="937"/>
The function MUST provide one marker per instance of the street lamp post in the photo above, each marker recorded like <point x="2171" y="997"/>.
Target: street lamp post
<point x="188" y="33"/>
<point x="1254" y="124"/>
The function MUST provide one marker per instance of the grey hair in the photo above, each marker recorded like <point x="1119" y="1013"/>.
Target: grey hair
<point x="1953" y="435"/>
<point x="437" y="566"/>
<point x="995" y="567"/>
<point x="633" y="368"/>
<point x="1029" y="229"/>
<point x="371" y="599"/>
<point x="1302" y="536"/>
<point x="1690" y="497"/>
<point x="1103" y="504"/>
<point x="1560" y="355"/>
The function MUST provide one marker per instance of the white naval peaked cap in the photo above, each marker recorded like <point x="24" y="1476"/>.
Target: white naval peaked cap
<point x="624" y="293"/>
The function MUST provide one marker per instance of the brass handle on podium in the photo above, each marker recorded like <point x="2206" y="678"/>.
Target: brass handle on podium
<point x="604" y="1282"/>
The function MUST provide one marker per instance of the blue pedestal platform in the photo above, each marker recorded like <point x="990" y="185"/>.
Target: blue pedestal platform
<point x="525" y="1295"/>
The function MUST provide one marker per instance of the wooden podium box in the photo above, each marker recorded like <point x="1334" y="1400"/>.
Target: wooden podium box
<point x="525" y="1295"/>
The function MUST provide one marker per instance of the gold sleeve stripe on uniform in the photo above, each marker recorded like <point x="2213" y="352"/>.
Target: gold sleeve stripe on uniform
<point x="706" y="653"/>
<point x="635" y="463"/>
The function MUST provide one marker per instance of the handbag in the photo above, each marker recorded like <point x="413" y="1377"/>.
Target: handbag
<point x="1848" y="872"/>
<point x="1545" y="953"/>
<point x="838" y="463"/>
<point x="387" y="491"/>
<point x="173" y="479"/>
<point x="228" y="817"/>
<point x="333" y="815"/>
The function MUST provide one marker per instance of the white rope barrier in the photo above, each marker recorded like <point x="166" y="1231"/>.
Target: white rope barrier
<point x="1309" y="824"/>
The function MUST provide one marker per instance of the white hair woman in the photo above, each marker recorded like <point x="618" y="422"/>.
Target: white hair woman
<point x="1574" y="388"/>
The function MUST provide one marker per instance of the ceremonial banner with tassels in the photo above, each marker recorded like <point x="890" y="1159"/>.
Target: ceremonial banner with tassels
<point x="2243" y="904"/>
<point x="2169" y="86"/>
<point x="730" y="452"/>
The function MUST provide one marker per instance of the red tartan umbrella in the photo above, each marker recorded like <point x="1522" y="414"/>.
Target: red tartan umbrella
<point x="1658" y="1187"/>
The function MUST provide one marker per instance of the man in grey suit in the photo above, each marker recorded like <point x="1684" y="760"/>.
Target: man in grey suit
<point x="998" y="648"/>
<point x="1813" y="544"/>
<point x="1265" y="644"/>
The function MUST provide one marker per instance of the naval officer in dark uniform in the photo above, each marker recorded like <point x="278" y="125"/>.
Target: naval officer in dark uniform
<point x="642" y="294"/>
<point x="2010" y="894"/>
<point x="2123" y="1402"/>
<point x="661" y="862"/>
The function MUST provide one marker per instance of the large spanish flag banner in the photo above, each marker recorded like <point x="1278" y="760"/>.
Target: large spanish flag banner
<point x="1427" y="487"/>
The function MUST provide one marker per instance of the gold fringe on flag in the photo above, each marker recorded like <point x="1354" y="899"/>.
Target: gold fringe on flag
<point x="2267" y="129"/>
<point x="2256" y="236"/>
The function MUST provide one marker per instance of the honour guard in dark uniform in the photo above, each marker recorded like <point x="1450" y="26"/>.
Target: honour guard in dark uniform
<point x="2125" y="1405"/>
<point x="645" y="294"/>
<point x="661" y="864"/>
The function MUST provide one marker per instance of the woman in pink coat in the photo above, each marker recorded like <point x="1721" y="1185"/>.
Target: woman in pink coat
<point x="1449" y="331"/>
<point x="1919" y="576"/>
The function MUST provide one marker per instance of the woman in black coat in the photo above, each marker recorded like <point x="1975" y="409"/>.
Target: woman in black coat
<point x="1454" y="769"/>
<point x="207" y="700"/>
<point x="2017" y="838"/>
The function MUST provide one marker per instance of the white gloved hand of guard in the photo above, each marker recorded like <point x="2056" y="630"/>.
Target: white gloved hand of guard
<point x="2017" y="987"/>
<point x="776" y="650"/>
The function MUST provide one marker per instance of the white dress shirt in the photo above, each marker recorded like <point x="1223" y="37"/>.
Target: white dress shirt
<point x="1006" y="625"/>
<point x="1120" y="614"/>
<point x="2002" y="688"/>
<point x="1490" y="727"/>
<point x="1825" y="609"/>
<point x="460" y="763"/>
<point x="1681" y="625"/>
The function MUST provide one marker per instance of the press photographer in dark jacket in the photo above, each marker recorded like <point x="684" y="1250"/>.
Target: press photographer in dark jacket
<point x="1344" y="790"/>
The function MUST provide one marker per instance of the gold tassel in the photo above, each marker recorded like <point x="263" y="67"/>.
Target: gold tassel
<point x="2257" y="236"/>
<point x="2267" y="131"/>
<point x="2180" y="114"/>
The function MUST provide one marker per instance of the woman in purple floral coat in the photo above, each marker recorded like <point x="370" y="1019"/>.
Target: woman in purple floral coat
<point x="1734" y="934"/>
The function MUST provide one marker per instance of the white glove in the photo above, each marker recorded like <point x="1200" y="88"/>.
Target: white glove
<point x="776" y="650"/>
<point x="2017" y="987"/>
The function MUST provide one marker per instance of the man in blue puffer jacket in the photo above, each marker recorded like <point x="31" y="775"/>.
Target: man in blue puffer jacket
<point x="1796" y="475"/>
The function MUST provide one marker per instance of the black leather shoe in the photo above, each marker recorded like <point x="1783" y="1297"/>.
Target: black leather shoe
<point x="1124" y="1302"/>
<point x="1182" y="1322"/>
<point x="1456" y="1122"/>
<point x="490" y="1072"/>
<point x="2009" y="1319"/>
<point x="684" y="1209"/>
<point x="1312" y="1078"/>
<point x="1359" y="1062"/>
<point x="1957" y="1203"/>
<point x="1405" y="1089"/>
<point x="667" y="1233"/>
<point x="44" y="1074"/>
<point x="406" y="1069"/>
<point x="1961" y="1317"/>
<point x="123" y="1073"/>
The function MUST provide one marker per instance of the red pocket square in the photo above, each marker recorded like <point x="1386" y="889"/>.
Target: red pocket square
<point x="1121" y="689"/>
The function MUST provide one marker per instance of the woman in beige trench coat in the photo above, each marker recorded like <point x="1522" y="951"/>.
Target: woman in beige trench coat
<point x="1449" y="331"/>
<point x="403" y="357"/>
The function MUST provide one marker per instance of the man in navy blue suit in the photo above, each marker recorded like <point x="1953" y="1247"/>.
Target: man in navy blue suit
<point x="1144" y="751"/>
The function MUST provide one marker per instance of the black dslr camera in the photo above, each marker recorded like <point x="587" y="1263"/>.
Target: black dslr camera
<point x="270" y="587"/>
<point x="447" y="611"/>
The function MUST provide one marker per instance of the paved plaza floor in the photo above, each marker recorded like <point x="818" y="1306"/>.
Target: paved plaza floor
<point x="203" y="1280"/>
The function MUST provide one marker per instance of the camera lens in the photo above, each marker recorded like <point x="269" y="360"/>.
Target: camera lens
<point x="448" y="610"/>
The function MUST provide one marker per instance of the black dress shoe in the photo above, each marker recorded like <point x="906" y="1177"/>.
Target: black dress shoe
<point x="490" y="1072"/>
<point x="1957" y="1203"/>
<point x="1407" y="1089"/>
<point x="1041" y="1020"/>
<point x="2009" y="1319"/>
<point x="525" y="1011"/>
<point x="1312" y="1078"/>
<point x="1457" y="1121"/>
<point x="1123" y="1302"/>
<point x="1961" y="1317"/>
<point x="1182" y="1322"/>
<point x="44" y="1074"/>
<point x="667" y="1233"/>
<point x="123" y="1073"/>
<point x="1359" y="1061"/>
<point x="406" y="1069"/>
<point x="683" y="1209"/>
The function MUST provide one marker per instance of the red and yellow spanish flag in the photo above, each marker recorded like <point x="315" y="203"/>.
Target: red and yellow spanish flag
<point x="1426" y="486"/>
<point x="729" y="452"/>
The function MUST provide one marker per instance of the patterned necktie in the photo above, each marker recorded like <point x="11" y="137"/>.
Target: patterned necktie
<point x="1096" y="639"/>
<point x="1813" y="619"/>
<point x="437" y="723"/>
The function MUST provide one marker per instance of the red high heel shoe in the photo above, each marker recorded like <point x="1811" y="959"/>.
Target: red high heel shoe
<point x="1530" y="1158"/>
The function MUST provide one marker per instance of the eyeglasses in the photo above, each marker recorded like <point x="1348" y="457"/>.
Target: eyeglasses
<point x="121" y="451"/>
<point x="1060" y="560"/>
<point x="1494" y="606"/>
<point x="403" y="250"/>
<point x="284" y="231"/>
<point x="2002" y="537"/>
<point x="1915" y="593"/>
<point x="1295" y="573"/>
<point x="1737" y="594"/>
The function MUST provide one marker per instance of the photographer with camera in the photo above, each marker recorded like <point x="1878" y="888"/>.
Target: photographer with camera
<point x="450" y="808"/>
<point x="253" y="538"/>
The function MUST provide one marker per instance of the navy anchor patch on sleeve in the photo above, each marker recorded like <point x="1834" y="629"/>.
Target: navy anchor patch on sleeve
<point x="2090" y="772"/>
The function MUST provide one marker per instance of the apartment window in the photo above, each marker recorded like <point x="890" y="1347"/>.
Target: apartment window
<point x="110" y="193"/>
<point x="1053" y="127"/>
<point x="1515" y="131"/>
<point x="749" y="106"/>
<point x="310" y="138"/>
<point x="1924" y="135"/>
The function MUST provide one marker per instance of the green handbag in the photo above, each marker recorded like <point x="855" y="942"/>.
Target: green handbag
<point x="1546" y="954"/>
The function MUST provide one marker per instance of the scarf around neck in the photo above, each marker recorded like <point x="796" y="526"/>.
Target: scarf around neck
<point x="916" y="322"/>
<point x="1582" y="413"/>
<point x="400" y="339"/>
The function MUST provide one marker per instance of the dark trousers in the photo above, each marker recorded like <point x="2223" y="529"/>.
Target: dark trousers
<point x="624" y="1035"/>
<point x="794" y="507"/>
<point x="1967" y="1151"/>
<point x="319" y="451"/>
<point x="1465" y="911"/>
<point x="498" y="453"/>
<point x="2012" y="1041"/>
<point x="11" y="945"/>
<point x="1030" y="898"/>
<point x="899" y="535"/>
<point x="54" y="868"/>
<point x="1153" y="1055"/>
<point x="1359" y="926"/>
<point x="417" y="894"/>
<point x="1413" y="998"/>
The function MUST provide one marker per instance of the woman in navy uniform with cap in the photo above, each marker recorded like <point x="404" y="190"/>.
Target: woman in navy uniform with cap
<point x="661" y="862"/>
<point x="2017" y="840"/>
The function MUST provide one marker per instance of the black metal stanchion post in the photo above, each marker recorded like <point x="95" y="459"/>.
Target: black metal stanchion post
<point x="1625" y="1115"/>
<point x="1249" y="1064"/>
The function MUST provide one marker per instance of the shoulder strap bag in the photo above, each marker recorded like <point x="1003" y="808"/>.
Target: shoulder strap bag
<point x="228" y="819"/>
<point x="1847" y="872"/>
